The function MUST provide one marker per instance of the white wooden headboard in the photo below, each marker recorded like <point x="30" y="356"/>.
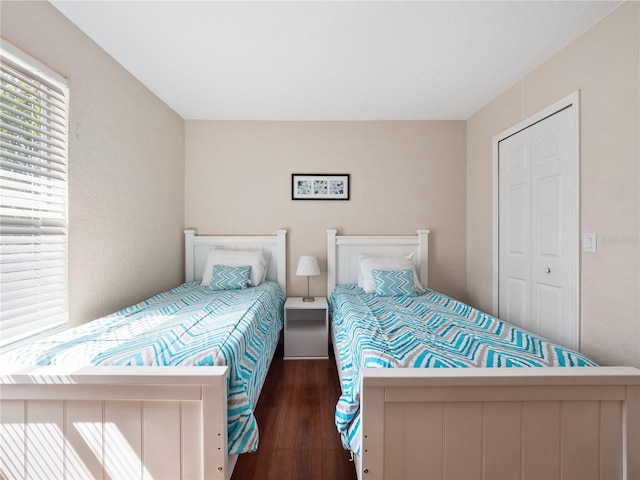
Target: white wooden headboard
<point x="197" y="247"/>
<point x="344" y="252"/>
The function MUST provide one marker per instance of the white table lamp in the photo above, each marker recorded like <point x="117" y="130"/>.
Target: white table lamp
<point x="308" y="266"/>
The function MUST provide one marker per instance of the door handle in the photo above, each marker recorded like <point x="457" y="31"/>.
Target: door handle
<point x="548" y="270"/>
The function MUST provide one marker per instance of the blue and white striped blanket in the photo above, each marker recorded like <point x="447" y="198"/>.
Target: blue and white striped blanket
<point x="428" y="330"/>
<point x="188" y="325"/>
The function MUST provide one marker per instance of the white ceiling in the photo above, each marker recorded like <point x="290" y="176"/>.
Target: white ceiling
<point x="359" y="60"/>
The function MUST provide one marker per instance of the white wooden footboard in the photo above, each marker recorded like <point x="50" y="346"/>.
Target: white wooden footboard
<point x="537" y="423"/>
<point x="114" y="422"/>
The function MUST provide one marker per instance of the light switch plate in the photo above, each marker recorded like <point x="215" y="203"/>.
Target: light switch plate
<point x="589" y="243"/>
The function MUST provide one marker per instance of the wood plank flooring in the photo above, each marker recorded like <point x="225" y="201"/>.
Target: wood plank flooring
<point x="295" y="414"/>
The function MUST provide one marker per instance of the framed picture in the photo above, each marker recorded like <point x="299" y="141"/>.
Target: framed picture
<point x="319" y="186"/>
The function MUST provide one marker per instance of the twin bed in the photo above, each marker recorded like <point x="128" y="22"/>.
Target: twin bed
<point x="568" y="420"/>
<point x="162" y="389"/>
<point x="176" y="399"/>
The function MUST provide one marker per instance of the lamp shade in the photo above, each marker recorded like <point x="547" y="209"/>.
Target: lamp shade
<point x="308" y="266"/>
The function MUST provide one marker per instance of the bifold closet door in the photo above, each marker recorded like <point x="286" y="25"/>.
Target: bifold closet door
<point x="538" y="236"/>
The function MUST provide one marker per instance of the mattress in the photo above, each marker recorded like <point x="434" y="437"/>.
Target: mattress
<point x="429" y="330"/>
<point x="189" y="325"/>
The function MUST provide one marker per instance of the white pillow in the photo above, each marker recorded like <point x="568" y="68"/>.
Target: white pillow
<point x="256" y="259"/>
<point x="266" y="255"/>
<point x="399" y="262"/>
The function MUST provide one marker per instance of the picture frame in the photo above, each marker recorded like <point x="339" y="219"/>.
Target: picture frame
<point x="320" y="186"/>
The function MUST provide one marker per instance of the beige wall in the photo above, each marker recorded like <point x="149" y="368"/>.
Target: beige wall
<point x="604" y="65"/>
<point x="126" y="168"/>
<point x="404" y="176"/>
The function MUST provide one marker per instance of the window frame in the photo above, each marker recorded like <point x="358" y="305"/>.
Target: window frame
<point x="34" y="202"/>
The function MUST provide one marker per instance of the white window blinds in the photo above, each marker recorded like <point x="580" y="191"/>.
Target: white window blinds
<point x="33" y="197"/>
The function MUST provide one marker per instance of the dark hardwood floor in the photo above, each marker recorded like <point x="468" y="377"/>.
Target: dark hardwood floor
<point x="295" y="414"/>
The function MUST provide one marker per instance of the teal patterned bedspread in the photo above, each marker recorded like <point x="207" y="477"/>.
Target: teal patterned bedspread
<point x="188" y="325"/>
<point x="430" y="330"/>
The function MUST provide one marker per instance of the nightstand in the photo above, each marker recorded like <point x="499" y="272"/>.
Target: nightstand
<point x="306" y="328"/>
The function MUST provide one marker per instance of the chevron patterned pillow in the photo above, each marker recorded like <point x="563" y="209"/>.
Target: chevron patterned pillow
<point x="393" y="283"/>
<point x="230" y="278"/>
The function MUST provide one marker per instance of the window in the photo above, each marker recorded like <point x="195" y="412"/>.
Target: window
<point x="33" y="196"/>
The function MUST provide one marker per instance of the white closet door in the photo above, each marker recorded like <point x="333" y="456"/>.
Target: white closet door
<point x="515" y="229"/>
<point x="538" y="218"/>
